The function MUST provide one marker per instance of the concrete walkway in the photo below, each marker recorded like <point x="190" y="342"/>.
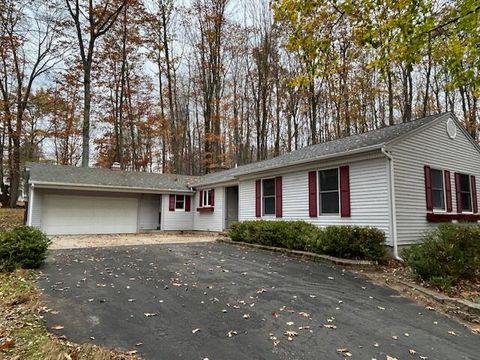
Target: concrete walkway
<point x="153" y="238"/>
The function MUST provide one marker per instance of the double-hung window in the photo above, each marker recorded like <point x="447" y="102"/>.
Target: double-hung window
<point x="465" y="192"/>
<point x="206" y="198"/>
<point x="438" y="189"/>
<point x="268" y="193"/>
<point x="179" y="202"/>
<point x="328" y="189"/>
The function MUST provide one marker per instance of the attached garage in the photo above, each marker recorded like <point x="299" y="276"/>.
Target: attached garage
<point x="68" y="200"/>
<point x="65" y="214"/>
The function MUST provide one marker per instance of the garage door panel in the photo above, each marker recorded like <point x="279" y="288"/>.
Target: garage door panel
<point x="65" y="214"/>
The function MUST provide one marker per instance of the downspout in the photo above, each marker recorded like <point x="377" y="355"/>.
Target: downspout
<point x="30" y="205"/>
<point x="391" y="195"/>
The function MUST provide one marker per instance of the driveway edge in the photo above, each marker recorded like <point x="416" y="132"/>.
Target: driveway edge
<point x="305" y="254"/>
<point x="465" y="305"/>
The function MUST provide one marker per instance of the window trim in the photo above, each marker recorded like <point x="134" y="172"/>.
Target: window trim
<point x="469" y="176"/>
<point x="176" y="201"/>
<point x="444" y="191"/>
<point x="319" y="192"/>
<point x="208" y="194"/>
<point x="274" y="196"/>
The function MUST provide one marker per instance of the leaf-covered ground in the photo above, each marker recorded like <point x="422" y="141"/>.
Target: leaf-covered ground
<point x="9" y="218"/>
<point x="22" y="332"/>
<point x="217" y="301"/>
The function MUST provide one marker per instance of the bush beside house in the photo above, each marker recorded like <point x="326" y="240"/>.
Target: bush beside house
<point x="446" y="255"/>
<point x="351" y="242"/>
<point x="22" y="247"/>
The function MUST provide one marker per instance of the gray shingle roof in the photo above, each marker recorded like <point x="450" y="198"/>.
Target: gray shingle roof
<point x="338" y="147"/>
<point x="46" y="173"/>
<point x="139" y="180"/>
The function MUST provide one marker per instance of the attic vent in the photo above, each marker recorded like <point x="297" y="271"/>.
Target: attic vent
<point x="451" y="129"/>
<point x="116" y="166"/>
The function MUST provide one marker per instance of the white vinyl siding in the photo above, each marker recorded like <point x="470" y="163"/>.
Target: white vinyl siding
<point x="432" y="147"/>
<point x="210" y="221"/>
<point x="368" y="196"/>
<point x="36" y="211"/>
<point x="176" y="220"/>
<point x="148" y="212"/>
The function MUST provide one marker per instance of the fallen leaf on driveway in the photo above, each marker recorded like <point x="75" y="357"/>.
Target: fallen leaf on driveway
<point x="453" y="333"/>
<point x="391" y="358"/>
<point x="304" y="314"/>
<point x="195" y="330"/>
<point x="150" y="314"/>
<point x="329" y="326"/>
<point x="345" y="352"/>
<point x="231" y="333"/>
<point x="246" y="316"/>
<point x="58" y="327"/>
<point x="412" y="352"/>
<point x="290" y="323"/>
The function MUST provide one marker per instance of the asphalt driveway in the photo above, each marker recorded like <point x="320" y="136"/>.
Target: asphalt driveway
<point x="217" y="301"/>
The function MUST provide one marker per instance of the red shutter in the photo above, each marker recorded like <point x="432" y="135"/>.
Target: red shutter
<point x="345" y="191"/>
<point x="474" y="193"/>
<point x="448" y="190"/>
<point x="212" y="197"/>
<point x="458" y="190"/>
<point x="187" y="202"/>
<point x="312" y="193"/>
<point x="258" y="198"/>
<point x="428" y="187"/>
<point x="200" y="198"/>
<point x="171" y="203"/>
<point x="278" y="197"/>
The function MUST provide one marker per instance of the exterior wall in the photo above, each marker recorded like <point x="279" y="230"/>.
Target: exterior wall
<point x="36" y="208"/>
<point x="178" y="219"/>
<point x="210" y="221"/>
<point x="148" y="212"/>
<point x="368" y="196"/>
<point x="432" y="147"/>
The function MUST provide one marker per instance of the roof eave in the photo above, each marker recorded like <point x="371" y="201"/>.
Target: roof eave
<point x="320" y="158"/>
<point x="99" y="187"/>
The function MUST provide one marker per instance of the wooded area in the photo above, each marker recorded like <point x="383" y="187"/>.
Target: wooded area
<point x="195" y="86"/>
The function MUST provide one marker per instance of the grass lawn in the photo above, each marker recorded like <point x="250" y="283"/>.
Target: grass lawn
<point x="22" y="332"/>
<point x="9" y="218"/>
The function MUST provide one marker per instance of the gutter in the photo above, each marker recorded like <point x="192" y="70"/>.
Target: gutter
<point x="95" y="187"/>
<point x="391" y="196"/>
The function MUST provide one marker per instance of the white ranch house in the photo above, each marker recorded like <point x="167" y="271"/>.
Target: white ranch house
<point x="402" y="179"/>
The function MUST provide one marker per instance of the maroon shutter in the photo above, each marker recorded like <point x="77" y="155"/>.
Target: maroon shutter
<point x="312" y="193"/>
<point x="171" y="203"/>
<point x="212" y="197"/>
<point x="448" y="190"/>
<point x="187" y="202"/>
<point x="278" y="197"/>
<point x="473" y="181"/>
<point x="200" y="199"/>
<point x="345" y="191"/>
<point x="258" y="195"/>
<point x="428" y="187"/>
<point x="458" y="190"/>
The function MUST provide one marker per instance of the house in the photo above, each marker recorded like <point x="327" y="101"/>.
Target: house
<point x="402" y="179"/>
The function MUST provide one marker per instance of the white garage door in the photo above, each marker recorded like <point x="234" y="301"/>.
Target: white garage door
<point x="64" y="214"/>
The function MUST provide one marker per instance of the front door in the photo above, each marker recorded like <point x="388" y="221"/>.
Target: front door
<point x="231" y="213"/>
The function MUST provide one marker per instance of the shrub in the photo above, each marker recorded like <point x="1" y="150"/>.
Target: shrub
<point x="447" y="254"/>
<point x="344" y="241"/>
<point x="352" y="242"/>
<point x="295" y="235"/>
<point x="22" y="247"/>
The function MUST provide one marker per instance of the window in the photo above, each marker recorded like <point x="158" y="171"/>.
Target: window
<point x="179" y="202"/>
<point x="328" y="189"/>
<point x="268" y="196"/>
<point x="438" y="192"/>
<point x="206" y="198"/>
<point x="465" y="191"/>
